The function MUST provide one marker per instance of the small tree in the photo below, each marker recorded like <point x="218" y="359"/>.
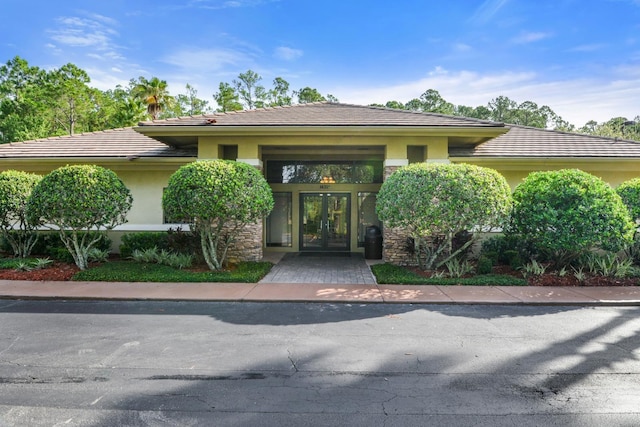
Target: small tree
<point x="218" y="198"/>
<point x="78" y="199"/>
<point x="564" y="213"/>
<point x="15" y="189"/>
<point x="434" y="202"/>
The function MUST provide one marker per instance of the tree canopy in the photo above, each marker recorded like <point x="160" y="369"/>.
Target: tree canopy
<point x="38" y="103"/>
<point x="433" y="202"/>
<point x="15" y="190"/>
<point x="218" y="198"/>
<point x="76" y="199"/>
<point x="565" y="213"/>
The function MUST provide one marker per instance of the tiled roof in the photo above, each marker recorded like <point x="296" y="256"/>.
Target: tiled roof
<point x="323" y="114"/>
<point x="116" y="143"/>
<point x="527" y="142"/>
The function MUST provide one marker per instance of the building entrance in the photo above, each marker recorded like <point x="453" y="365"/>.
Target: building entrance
<point x="325" y="221"/>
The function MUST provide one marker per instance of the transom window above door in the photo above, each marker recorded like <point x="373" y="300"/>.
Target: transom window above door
<point x="319" y="172"/>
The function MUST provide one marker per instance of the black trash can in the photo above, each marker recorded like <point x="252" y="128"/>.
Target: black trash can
<point x="373" y="243"/>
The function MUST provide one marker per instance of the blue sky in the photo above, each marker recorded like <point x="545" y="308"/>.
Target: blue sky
<point x="580" y="57"/>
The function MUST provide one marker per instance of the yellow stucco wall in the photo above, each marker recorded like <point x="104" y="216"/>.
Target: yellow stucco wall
<point x="395" y="146"/>
<point x="145" y="181"/>
<point x="613" y="172"/>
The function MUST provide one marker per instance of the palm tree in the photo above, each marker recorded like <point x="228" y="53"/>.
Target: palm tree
<point x="154" y="94"/>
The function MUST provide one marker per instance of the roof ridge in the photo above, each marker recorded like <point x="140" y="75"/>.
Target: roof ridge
<point x="424" y="113"/>
<point x="234" y="112"/>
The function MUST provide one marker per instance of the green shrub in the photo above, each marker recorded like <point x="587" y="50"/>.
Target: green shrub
<point x="97" y="255"/>
<point x="513" y="259"/>
<point x="76" y="199"/>
<point x="183" y="242"/>
<point x="24" y="264"/>
<point x="457" y="268"/>
<point x="608" y="264"/>
<point x="485" y="265"/>
<point x="533" y="268"/>
<point x="143" y="240"/>
<point x="163" y="257"/>
<point x="435" y="202"/>
<point x="393" y="274"/>
<point x="632" y="251"/>
<point x="565" y="213"/>
<point x="50" y="244"/>
<point x="218" y="198"/>
<point x="501" y="248"/>
<point x="629" y="192"/>
<point x="17" y="231"/>
<point x="174" y="240"/>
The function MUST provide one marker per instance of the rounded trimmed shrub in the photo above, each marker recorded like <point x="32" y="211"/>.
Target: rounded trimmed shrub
<point x="433" y="202"/>
<point x="15" y="189"/>
<point x="79" y="198"/>
<point x="629" y="191"/>
<point x="218" y="198"/>
<point x="565" y="213"/>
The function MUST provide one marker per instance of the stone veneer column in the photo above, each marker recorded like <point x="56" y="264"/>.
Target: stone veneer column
<point x="394" y="242"/>
<point x="248" y="244"/>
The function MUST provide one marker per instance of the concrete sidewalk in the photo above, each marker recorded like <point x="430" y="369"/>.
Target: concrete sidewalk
<point x="314" y="292"/>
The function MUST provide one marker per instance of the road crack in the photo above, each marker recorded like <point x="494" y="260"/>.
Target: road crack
<point x="293" y="362"/>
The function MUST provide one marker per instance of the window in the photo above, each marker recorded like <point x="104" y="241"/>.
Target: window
<point x="311" y="172"/>
<point x="279" y="221"/>
<point x="416" y="153"/>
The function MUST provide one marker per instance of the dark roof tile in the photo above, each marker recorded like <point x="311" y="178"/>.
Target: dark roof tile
<point x="323" y="114"/>
<point x="527" y="142"/>
<point x="115" y="143"/>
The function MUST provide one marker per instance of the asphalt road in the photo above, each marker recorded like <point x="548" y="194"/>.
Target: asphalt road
<point x="242" y="364"/>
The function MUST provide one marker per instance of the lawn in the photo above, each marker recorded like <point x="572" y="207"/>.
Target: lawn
<point x="131" y="271"/>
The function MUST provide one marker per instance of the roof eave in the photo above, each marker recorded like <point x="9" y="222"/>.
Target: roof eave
<point x="504" y="163"/>
<point x="485" y="132"/>
<point x="127" y="159"/>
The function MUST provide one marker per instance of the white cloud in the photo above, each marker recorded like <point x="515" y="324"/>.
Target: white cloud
<point x="487" y="10"/>
<point x="588" y="47"/>
<point x="206" y="59"/>
<point x="77" y="31"/>
<point x="90" y="31"/>
<point x="287" y="53"/>
<point x="105" y="79"/>
<point x="461" y="47"/>
<point x="577" y="101"/>
<point x="530" y="37"/>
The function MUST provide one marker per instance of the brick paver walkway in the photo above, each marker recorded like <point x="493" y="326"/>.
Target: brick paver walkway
<point x="321" y="268"/>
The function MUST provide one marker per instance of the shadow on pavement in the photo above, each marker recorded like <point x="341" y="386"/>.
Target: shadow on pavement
<point x="276" y="313"/>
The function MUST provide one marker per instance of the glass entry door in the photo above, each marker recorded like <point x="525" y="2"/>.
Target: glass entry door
<point x="324" y="222"/>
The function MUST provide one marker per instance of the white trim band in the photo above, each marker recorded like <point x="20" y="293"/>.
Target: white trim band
<point x="396" y="162"/>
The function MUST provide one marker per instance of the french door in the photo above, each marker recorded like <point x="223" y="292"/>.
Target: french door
<point x="324" y="221"/>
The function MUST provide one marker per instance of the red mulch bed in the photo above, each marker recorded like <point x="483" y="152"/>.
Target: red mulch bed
<point x="56" y="271"/>
<point x="552" y="279"/>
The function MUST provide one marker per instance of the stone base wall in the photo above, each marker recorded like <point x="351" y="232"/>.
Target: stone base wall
<point x="248" y="245"/>
<point x="394" y="240"/>
<point x="395" y="248"/>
